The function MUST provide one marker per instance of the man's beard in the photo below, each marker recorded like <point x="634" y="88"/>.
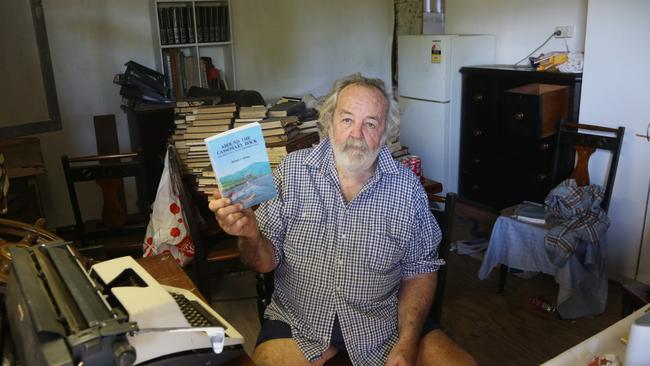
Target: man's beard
<point x="354" y="155"/>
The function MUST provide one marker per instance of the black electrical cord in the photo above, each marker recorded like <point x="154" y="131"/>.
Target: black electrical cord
<point x="556" y="33"/>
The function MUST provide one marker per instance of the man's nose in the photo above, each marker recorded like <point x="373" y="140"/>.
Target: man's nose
<point x="356" y="131"/>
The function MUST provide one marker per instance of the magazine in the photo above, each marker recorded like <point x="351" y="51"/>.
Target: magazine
<point x="241" y="165"/>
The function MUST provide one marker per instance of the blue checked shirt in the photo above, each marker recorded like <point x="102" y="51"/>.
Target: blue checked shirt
<point x="345" y="258"/>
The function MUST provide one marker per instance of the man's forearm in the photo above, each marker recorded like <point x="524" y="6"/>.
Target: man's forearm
<point x="257" y="253"/>
<point x="415" y="299"/>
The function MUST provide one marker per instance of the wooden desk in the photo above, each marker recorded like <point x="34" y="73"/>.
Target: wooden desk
<point x="431" y="187"/>
<point x="163" y="267"/>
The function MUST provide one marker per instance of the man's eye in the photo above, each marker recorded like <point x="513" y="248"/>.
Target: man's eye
<point x="346" y="121"/>
<point x="371" y="125"/>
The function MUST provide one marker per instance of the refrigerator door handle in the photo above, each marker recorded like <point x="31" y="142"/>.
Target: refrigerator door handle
<point x="425" y="100"/>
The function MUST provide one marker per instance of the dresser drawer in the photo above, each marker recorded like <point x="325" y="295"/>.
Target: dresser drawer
<point x="535" y="110"/>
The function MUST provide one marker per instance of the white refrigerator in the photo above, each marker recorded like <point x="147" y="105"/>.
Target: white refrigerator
<point x="429" y="87"/>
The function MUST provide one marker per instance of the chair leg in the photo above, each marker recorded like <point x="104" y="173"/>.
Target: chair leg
<point x="503" y="274"/>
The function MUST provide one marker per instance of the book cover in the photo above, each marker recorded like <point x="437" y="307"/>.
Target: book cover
<point x="241" y="165"/>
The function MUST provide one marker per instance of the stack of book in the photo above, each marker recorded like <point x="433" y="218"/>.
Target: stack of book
<point x="287" y="108"/>
<point x="276" y="130"/>
<point x="278" y="150"/>
<point x="531" y="212"/>
<point x="256" y="112"/>
<point x="307" y="126"/>
<point x="397" y="150"/>
<point x="193" y="124"/>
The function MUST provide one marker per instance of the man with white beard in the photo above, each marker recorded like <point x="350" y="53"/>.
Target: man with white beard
<point x="352" y="243"/>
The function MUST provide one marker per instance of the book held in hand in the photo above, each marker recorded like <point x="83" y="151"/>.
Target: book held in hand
<point x="241" y="165"/>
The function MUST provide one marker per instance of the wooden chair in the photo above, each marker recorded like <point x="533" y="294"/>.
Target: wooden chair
<point x="445" y="218"/>
<point x="108" y="171"/>
<point x="211" y="245"/>
<point x="575" y="143"/>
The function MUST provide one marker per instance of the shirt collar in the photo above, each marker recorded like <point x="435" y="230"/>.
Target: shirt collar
<point x="322" y="158"/>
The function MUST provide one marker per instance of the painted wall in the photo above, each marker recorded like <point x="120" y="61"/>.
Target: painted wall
<point x="89" y="42"/>
<point x="293" y="47"/>
<point x="283" y="47"/>
<point x="519" y="26"/>
<point x="620" y="99"/>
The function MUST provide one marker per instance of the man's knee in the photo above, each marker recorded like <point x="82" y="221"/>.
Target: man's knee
<point x="436" y="348"/>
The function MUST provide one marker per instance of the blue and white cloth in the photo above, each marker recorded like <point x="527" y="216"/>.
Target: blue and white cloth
<point x="573" y="251"/>
<point x="345" y="259"/>
<point x="582" y="220"/>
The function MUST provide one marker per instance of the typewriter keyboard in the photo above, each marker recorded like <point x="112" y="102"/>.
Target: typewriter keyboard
<point x="194" y="312"/>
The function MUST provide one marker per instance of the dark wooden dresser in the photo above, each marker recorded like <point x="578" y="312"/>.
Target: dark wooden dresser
<point x="505" y="154"/>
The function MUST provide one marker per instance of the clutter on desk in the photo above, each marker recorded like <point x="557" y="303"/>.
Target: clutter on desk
<point x="558" y="61"/>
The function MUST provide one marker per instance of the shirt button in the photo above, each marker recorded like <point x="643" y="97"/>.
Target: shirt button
<point x="343" y="236"/>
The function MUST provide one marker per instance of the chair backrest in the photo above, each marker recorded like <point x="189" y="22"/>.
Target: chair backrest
<point x="104" y="168"/>
<point x="445" y="217"/>
<point x="584" y="139"/>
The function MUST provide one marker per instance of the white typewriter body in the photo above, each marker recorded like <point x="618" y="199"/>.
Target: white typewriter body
<point x="163" y="326"/>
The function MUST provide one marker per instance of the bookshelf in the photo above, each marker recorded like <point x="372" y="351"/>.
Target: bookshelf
<point x="193" y="38"/>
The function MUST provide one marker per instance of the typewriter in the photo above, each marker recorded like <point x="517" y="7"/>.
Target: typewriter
<point x="114" y="314"/>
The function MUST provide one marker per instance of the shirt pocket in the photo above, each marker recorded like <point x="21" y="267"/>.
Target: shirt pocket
<point x="304" y="236"/>
<point x="384" y="250"/>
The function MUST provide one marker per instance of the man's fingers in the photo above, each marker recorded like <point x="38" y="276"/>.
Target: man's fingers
<point x="214" y="205"/>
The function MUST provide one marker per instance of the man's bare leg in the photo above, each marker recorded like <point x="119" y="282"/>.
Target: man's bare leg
<point x="437" y="349"/>
<point x="285" y="351"/>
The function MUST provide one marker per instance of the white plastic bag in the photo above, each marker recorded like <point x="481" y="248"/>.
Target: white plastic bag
<point x="167" y="230"/>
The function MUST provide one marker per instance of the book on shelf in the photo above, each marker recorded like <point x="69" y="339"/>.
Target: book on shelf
<point x="275" y="122"/>
<point x="290" y="108"/>
<point x="212" y="122"/>
<point x="241" y="165"/>
<point x="219" y="108"/>
<point x="202" y="129"/>
<point x="281" y="137"/>
<point x="255" y="111"/>
<point x="287" y="130"/>
<point x="531" y="212"/>
<point x="203" y="116"/>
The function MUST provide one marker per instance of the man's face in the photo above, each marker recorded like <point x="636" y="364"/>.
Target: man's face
<point x="358" y="124"/>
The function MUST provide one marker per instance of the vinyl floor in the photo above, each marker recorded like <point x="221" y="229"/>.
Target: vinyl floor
<point x="497" y="329"/>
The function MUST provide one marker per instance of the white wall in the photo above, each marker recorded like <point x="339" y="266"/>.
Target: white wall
<point x="294" y="47"/>
<point x="89" y="42"/>
<point x="283" y="47"/>
<point x="520" y="26"/>
<point x="614" y="93"/>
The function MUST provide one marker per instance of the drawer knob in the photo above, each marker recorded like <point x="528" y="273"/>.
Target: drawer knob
<point x="541" y="177"/>
<point x="478" y="97"/>
<point x="544" y="146"/>
<point x="477" y="133"/>
<point x="519" y="116"/>
<point x="475" y="187"/>
<point x="476" y="161"/>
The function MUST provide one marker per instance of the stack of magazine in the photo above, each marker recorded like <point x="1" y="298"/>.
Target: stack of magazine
<point x="531" y="212"/>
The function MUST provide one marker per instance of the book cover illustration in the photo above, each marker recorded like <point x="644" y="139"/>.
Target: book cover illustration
<point x="241" y="165"/>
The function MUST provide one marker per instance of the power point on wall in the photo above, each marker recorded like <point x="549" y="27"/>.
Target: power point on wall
<point x="563" y="31"/>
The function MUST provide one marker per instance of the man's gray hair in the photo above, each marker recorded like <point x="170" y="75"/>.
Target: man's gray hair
<point x="326" y="109"/>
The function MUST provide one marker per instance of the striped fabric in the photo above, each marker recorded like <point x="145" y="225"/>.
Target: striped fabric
<point x="345" y="259"/>
<point x="582" y="219"/>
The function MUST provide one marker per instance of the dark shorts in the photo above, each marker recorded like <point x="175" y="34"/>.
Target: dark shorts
<point x="276" y="329"/>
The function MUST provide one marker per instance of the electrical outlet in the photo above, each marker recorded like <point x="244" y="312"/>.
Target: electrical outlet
<point x="566" y="31"/>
